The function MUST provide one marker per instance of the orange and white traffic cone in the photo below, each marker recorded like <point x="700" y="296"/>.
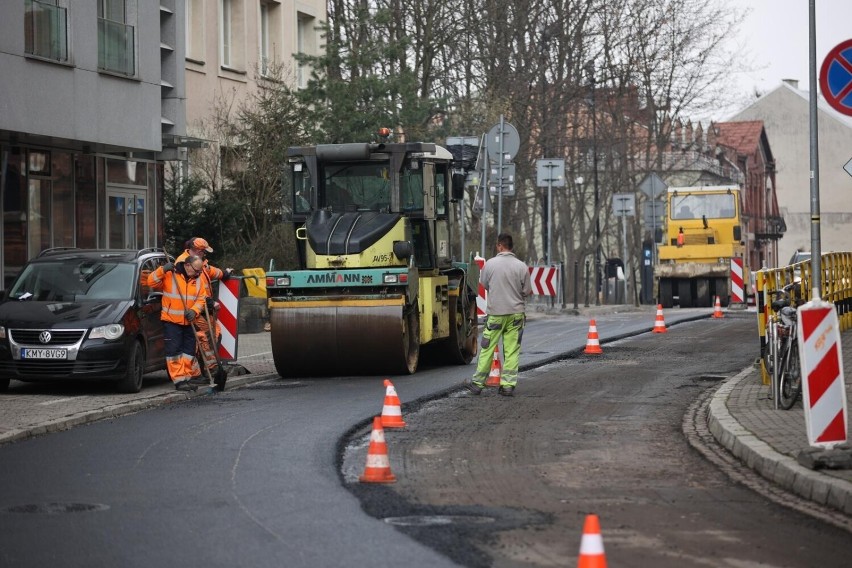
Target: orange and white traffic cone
<point x="496" y="370"/>
<point x="593" y="345"/>
<point x="591" y="546"/>
<point x="378" y="465"/>
<point x="659" y="322"/>
<point x="717" y="309"/>
<point x="391" y="411"/>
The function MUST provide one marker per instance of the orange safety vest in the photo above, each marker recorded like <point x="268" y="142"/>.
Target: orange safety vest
<point x="209" y="270"/>
<point x="179" y="295"/>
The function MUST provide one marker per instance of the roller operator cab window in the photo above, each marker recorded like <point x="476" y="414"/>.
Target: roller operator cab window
<point x="710" y="206"/>
<point x="301" y="188"/>
<point x="357" y="186"/>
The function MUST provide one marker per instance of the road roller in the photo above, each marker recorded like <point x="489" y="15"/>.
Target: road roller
<point x="377" y="287"/>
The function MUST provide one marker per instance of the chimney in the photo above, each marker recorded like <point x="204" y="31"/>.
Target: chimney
<point x="792" y="82"/>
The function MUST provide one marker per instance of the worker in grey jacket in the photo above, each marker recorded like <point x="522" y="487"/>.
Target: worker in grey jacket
<point x="507" y="280"/>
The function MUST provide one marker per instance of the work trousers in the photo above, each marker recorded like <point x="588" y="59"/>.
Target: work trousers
<point x="511" y="329"/>
<point x="180" y="351"/>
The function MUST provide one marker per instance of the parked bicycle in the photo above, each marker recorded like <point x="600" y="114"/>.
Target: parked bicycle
<point x="782" y="354"/>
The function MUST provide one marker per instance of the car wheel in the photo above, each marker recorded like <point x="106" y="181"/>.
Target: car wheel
<point x="4" y="385"/>
<point x="132" y="381"/>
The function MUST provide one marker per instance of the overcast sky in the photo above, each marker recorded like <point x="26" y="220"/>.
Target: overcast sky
<point x="775" y="33"/>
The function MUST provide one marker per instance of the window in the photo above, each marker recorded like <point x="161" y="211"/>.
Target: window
<point x="305" y="44"/>
<point x="232" y="34"/>
<point x="46" y="29"/>
<point x="195" y="30"/>
<point x="116" y="37"/>
<point x="269" y="36"/>
<point x="225" y="41"/>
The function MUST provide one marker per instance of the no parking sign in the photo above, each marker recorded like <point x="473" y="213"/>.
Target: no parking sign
<point x="835" y="78"/>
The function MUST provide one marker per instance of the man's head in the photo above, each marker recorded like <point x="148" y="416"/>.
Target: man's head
<point x="193" y="265"/>
<point x="198" y="246"/>
<point x="504" y="242"/>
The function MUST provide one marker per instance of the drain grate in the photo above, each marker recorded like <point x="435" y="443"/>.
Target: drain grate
<point x="437" y="520"/>
<point x="57" y="508"/>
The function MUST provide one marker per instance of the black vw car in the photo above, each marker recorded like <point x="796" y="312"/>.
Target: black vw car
<point x="75" y="314"/>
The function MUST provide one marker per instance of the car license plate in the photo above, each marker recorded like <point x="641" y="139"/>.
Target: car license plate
<point x="44" y="353"/>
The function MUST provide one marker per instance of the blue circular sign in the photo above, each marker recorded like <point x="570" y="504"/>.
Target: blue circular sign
<point x="835" y="78"/>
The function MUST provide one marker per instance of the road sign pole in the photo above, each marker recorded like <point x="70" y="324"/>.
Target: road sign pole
<point x="816" y="263"/>
<point x="550" y="220"/>
<point x="486" y="171"/>
<point x="500" y="183"/>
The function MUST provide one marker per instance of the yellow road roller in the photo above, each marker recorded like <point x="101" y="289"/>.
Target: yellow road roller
<point x="377" y="285"/>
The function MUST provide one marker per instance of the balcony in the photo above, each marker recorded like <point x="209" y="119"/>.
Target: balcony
<point x="116" y="47"/>
<point x="46" y="30"/>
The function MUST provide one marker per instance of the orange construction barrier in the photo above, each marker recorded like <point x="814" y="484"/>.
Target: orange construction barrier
<point x="391" y="411"/>
<point x="717" y="309"/>
<point x="496" y="370"/>
<point x="591" y="546"/>
<point x="593" y="345"/>
<point x="659" y="323"/>
<point x="378" y="465"/>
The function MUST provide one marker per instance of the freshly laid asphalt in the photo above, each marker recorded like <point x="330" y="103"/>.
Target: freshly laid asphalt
<point x="741" y="414"/>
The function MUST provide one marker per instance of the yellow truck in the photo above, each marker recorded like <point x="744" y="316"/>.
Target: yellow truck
<point x="703" y="233"/>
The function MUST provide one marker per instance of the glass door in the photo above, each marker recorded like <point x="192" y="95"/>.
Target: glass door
<point x="126" y="219"/>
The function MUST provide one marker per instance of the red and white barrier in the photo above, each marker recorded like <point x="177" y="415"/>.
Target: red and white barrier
<point x="737" y="287"/>
<point x="823" y="387"/>
<point x="481" y="304"/>
<point x="229" y="298"/>
<point x="544" y="280"/>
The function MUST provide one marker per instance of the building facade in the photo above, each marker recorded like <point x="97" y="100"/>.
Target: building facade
<point x="232" y="46"/>
<point x="785" y="114"/>
<point x="92" y="107"/>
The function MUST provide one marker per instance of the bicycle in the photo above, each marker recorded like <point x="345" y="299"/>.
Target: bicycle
<point x="783" y="350"/>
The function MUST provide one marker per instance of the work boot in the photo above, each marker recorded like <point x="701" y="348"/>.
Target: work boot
<point x="472" y="387"/>
<point x="506" y="391"/>
<point x="185" y="385"/>
<point x="199" y="381"/>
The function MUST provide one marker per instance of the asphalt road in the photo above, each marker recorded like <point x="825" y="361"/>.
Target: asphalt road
<point x="249" y="477"/>
<point x="496" y="481"/>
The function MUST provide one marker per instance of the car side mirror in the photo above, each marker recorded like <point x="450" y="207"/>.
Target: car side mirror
<point x="154" y="297"/>
<point x="458" y="186"/>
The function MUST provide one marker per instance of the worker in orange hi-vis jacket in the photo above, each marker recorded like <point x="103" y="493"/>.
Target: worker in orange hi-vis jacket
<point x="184" y="296"/>
<point x="206" y="347"/>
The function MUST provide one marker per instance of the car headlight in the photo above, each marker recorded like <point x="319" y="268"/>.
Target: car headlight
<point x="2" y="332"/>
<point x="111" y="331"/>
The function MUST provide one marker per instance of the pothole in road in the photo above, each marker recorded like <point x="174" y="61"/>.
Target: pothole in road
<point x="437" y="520"/>
<point x="57" y="508"/>
<point x="710" y="378"/>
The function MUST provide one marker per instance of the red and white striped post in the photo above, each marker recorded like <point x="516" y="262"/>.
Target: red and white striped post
<point x="823" y="387"/>
<point x="229" y="298"/>
<point x="737" y="287"/>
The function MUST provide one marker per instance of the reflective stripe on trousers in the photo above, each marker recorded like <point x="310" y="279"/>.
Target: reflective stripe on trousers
<point x="511" y="328"/>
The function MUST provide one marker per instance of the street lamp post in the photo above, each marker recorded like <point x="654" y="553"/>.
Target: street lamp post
<point x="590" y="68"/>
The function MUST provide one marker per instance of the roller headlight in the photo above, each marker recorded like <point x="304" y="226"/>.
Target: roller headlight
<point x="282" y="281"/>
<point x="111" y="331"/>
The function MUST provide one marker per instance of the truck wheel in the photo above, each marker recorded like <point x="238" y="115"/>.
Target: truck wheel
<point x="4" y="385"/>
<point x="666" y="299"/>
<point x="722" y="291"/>
<point x="702" y="293"/>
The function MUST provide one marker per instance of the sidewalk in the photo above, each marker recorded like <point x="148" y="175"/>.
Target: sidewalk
<point x="743" y="419"/>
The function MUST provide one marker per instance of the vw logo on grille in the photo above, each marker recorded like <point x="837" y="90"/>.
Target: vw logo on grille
<point x="44" y="337"/>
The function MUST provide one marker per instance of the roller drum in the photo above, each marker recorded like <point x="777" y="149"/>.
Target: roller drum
<point x="343" y="340"/>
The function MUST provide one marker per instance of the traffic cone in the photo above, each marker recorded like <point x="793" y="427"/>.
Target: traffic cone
<point x="391" y="411"/>
<point x="593" y="346"/>
<point x="660" y="323"/>
<point x="378" y="466"/>
<point x="591" y="546"/>
<point x="496" y="370"/>
<point x="717" y="310"/>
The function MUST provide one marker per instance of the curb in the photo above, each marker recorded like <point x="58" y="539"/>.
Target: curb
<point x="779" y="468"/>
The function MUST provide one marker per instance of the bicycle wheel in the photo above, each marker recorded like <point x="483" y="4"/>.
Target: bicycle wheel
<point x="789" y="383"/>
<point x="768" y="348"/>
